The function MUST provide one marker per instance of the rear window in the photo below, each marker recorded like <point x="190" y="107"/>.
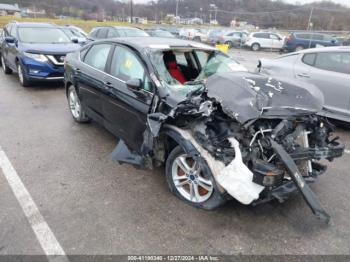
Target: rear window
<point x="335" y="62"/>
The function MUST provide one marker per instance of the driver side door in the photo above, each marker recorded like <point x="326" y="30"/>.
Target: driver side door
<point x="125" y="109"/>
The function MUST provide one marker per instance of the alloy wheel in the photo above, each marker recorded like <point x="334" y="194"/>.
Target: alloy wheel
<point x="189" y="181"/>
<point x="74" y="104"/>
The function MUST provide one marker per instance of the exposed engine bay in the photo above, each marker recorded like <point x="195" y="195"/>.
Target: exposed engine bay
<point x="260" y="137"/>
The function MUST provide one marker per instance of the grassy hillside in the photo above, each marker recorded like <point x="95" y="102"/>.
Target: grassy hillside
<point x="85" y="25"/>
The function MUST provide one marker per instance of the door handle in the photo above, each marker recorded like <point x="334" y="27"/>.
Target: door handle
<point x="108" y="85"/>
<point x="304" y="75"/>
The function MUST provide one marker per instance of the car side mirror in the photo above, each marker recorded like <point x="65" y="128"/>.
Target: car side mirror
<point x="75" y="40"/>
<point x="134" y="84"/>
<point x="10" y="39"/>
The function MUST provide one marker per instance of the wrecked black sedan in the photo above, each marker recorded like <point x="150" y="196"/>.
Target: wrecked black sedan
<point x="220" y="131"/>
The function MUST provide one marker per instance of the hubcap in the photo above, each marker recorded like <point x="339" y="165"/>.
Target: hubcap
<point x="189" y="181"/>
<point x="74" y="104"/>
<point x="20" y="74"/>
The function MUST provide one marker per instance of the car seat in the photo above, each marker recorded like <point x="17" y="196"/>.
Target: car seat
<point x="171" y="65"/>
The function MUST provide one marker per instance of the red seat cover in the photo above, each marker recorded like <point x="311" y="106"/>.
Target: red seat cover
<point x="175" y="72"/>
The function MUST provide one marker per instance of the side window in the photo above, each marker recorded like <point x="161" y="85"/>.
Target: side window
<point x="335" y="62"/>
<point x="317" y="37"/>
<point x="126" y="65"/>
<point x="202" y="57"/>
<point x="97" y="56"/>
<point x="309" y="59"/>
<point x="274" y="37"/>
<point x="112" y="33"/>
<point x="102" y="33"/>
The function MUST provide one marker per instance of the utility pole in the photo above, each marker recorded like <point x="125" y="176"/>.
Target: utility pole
<point x="177" y="8"/>
<point x="310" y="18"/>
<point x="131" y="11"/>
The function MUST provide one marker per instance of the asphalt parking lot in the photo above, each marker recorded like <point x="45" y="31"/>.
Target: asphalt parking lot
<point x="95" y="206"/>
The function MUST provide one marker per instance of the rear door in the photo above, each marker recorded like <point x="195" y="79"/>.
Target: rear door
<point x="330" y="72"/>
<point x="90" y="76"/>
<point x="126" y="110"/>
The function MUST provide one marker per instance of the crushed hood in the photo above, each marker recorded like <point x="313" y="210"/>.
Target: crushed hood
<point x="246" y="96"/>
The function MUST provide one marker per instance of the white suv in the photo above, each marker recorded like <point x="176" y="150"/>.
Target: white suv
<point x="256" y="41"/>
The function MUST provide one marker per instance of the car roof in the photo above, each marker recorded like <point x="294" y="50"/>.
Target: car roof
<point x="141" y="43"/>
<point x="118" y="27"/>
<point x="32" y="24"/>
<point x="326" y="49"/>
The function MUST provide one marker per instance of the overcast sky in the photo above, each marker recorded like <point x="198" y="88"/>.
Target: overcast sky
<point x="344" y="2"/>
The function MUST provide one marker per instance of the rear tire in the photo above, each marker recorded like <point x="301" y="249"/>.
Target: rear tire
<point x="76" y="109"/>
<point x="230" y="44"/>
<point x="255" y="47"/>
<point x="6" y="69"/>
<point x="194" y="186"/>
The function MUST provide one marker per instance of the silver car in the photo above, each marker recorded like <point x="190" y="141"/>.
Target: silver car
<point x="233" y="38"/>
<point x="328" y="68"/>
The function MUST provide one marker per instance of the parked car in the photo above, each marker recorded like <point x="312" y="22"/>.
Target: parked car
<point x="74" y="32"/>
<point x="1" y="40"/>
<point x="257" y="41"/>
<point x="213" y="36"/>
<point x="327" y="68"/>
<point x="159" y="33"/>
<point x="187" y="33"/>
<point x="220" y="131"/>
<point x="105" y="32"/>
<point x="233" y="38"/>
<point x="346" y="42"/>
<point x="298" y="41"/>
<point x="200" y="35"/>
<point x="36" y="51"/>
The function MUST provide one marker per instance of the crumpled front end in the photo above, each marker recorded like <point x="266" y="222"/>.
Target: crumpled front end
<point x="256" y="144"/>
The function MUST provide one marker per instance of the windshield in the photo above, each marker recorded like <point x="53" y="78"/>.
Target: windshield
<point x="195" y="66"/>
<point x="42" y="35"/>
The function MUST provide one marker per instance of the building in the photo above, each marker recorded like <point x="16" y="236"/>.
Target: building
<point x="138" y="20"/>
<point x="6" y="9"/>
<point x="31" y="12"/>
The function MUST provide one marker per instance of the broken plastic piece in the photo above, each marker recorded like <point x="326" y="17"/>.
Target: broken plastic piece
<point x="300" y="182"/>
<point x="237" y="179"/>
<point x="122" y="154"/>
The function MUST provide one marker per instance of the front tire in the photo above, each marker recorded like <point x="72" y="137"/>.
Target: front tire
<point x="5" y="68"/>
<point x="190" y="182"/>
<point x="22" y="77"/>
<point x="76" y="109"/>
<point x="255" y="47"/>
